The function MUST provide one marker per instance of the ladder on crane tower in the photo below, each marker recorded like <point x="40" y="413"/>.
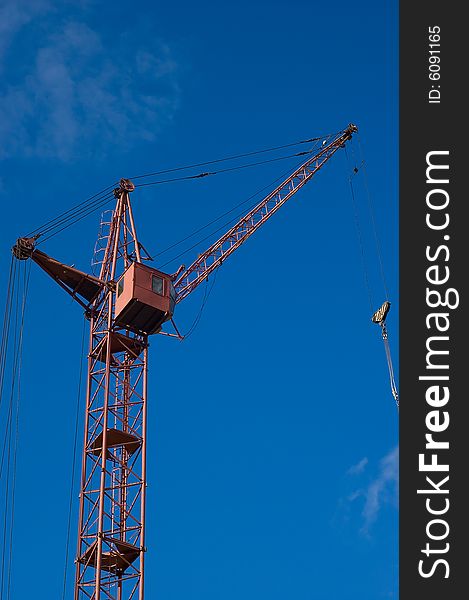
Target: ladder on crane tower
<point x="104" y="232"/>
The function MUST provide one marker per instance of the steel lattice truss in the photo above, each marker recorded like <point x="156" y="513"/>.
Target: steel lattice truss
<point x="111" y="544"/>
<point x="213" y="257"/>
<point x="112" y="500"/>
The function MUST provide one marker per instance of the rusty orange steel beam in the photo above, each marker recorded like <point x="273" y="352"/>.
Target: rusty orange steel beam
<point x="218" y="252"/>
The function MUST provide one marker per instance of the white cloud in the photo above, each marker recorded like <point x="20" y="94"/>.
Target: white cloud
<point x="382" y="489"/>
<point x="15" y="14"/>
<point x="82" y="94"/>
<point x="358" y="468"/>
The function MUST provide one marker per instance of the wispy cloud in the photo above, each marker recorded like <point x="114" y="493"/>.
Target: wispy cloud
<point x="358" y="468"/>
<point x="381" y="490"/>
<point x="82" y="92"/>
<point x="15" y="14"/>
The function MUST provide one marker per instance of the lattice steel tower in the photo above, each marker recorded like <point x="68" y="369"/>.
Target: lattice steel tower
<point x="111" y="548"/>
<point x="125" y="304"/>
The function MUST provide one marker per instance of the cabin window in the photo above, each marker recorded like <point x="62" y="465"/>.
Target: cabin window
<point x="120" y="287"/>
<point x="157" y="284"/>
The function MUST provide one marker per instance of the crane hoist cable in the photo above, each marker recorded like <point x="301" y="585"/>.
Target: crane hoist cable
<point x="373" y="220"/>
<point x="358" y="227"/>
<point x="379" y="316"/>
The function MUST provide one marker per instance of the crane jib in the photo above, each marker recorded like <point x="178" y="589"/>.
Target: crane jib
<point x="213" y="257"/>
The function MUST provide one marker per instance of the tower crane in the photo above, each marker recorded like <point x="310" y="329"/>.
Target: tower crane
<point x="125" y="304"/>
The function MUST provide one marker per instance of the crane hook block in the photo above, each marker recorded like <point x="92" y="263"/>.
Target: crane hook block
<point x="380" y="315"/>
<point x="24" y="247"/>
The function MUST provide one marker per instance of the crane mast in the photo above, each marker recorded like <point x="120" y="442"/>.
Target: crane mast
<point x="110" y="552"/>
<point x="127" y="303"/>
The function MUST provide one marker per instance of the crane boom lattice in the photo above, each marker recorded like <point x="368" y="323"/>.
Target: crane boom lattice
<point x="213" y="257"/>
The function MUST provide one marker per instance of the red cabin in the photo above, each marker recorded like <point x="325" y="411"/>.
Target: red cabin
<point x="145" y="299"/>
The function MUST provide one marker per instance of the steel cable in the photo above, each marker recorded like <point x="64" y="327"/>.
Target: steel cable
<point x="359" y="233"/>
<point x="99" y="202"/>
<point x="390" y="368"/>
<point x="27" y="272"/>
<point x="206" y="296"/>
<point x="227" y="170"/>
<point x="373" y="222"/>
<point x="387" y="349"/>
<point x="94" y="202"/>
<point x="102" y="201"/>
<point x="6" y="323"/>
<point x="51" y="222"/>
<point x="11" y="356"/>
<point x="72" y="470"/>
<point x="224" y="225"/>
<point x="235" y="157"/>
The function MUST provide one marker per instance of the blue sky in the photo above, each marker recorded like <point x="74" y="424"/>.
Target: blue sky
<point x="273" y="448"/>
